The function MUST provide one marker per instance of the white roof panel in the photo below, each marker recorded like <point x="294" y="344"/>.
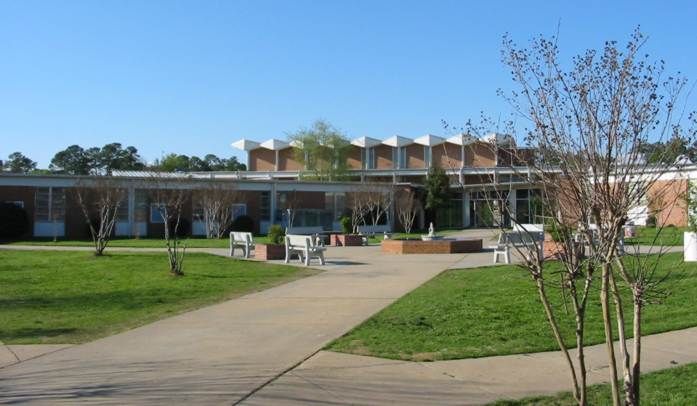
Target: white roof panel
<point x="365" y="142"/>
<point x="245" y="145"/>
<point x="274" y="144"/>
<point x="429" y="140"/>
<point x="397" y="141"/>
<point x="462" y="139"/>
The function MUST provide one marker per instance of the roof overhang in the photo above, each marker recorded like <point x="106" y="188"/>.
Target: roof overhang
<point x="397" y="141"/>
<point x="429" y="140"/>
<point x="462" y="139"/>
<point x="274" y="144"/>
<point x="245" y="145"/>
<point x="366" y="142"/>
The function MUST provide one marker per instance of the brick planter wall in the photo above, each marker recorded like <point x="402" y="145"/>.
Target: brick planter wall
<point x="431" y="247"/>
<point x="267" y="252"/>
<point x="346" y="240"/>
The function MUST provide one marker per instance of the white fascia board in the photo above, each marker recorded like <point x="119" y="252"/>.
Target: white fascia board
<point x="499" y="139"/>
<point x="365" y="142"/>
<point x="274" y="144"/>
<point x="397" y="141"/>
<point x="429" y="140"/>
<point x="245" y="144"/>
<point x="462" y="139"/>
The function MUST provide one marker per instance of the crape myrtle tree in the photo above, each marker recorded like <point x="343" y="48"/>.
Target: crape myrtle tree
<point x="322" y="150"/>
<point x="589" y="122"/>
<point x="378" y="202"/>
<point x="168" y="194"/>
<point x="99" y="200"/>
<point x="406" y="206"/>
<point x="216" y="200"/>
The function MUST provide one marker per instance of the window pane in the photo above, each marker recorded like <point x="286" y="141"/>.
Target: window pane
<point x="41" y="203"/>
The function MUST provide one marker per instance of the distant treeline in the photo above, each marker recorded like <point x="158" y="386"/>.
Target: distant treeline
<point x="76" y="160"/>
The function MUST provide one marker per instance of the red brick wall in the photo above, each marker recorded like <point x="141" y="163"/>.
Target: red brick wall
<point x="480" y="155"/>
<point x="415" y="156"/>
<point x="261" y="159"/>
<point x="383" y="157"/>
<point x="447" y="156"/>
<point x="667" y="200"/>
<point x="287" y="160"/>
<point x="353" y="160"/>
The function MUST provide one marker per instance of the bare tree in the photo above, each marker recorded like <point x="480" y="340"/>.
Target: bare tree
<point x="168" y="194"/>
<point x="291" y="202"/>
<point x="589" y="123"/>
<point x="99" y="199"/>
<point x="216" y="203"/>
<point x="359" y="201"/>
<point x="406" y="205"/>
<point x="376" y="201"/>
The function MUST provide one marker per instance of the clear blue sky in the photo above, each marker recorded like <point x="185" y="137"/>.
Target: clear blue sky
<point x="191" y="77"/>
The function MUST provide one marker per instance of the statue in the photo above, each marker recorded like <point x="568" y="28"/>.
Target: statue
<point x="431" y="232"/>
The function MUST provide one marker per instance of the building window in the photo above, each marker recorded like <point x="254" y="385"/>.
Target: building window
<point x="399" y="157"/>
<point x="528" y="206"/>
<point x="140" y="209"/>
<point x="122" y="210"/>
<point x="238" y="209"/>
<point x="265" y="206"/>
<point x="17" y="203"/>
<point x="49" y="204"/>
<point x="427" y="156"/>
<point x="370" y="161"/>
<point x="157" y="213"/>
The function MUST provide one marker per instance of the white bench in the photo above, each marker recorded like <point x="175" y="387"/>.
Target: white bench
<point x="517" y="238"/>
<point x="243" y="240"/>
<point x="305" y="246"/>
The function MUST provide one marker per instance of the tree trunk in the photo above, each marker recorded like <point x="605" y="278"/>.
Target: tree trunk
<point x="624" y="352"/>
<point x="557" y="335"/>
<point x="607" y="323"/>
<point x="636" y="363"/>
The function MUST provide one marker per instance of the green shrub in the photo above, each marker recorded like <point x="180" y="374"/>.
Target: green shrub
<point x="276" y="234"/>
<point x="346" y="225"/>
<point x="651" y="220"/>
<point x="14" y="220"/>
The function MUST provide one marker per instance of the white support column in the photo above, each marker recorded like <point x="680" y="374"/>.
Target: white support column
<point x="272" y="204"/>
<point x="512" y="204"/>
<point x="390" y="212"/>
<point x="131" y="201"/>
<point x="466" y="209"/>
<point x="275" y="162"/>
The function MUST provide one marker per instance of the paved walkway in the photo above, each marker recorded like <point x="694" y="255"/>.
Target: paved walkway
<point x="222" y="353"/>
<point x="335" y="378"/>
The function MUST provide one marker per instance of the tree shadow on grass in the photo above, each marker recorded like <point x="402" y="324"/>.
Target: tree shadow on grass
<point x="33" y="332"/>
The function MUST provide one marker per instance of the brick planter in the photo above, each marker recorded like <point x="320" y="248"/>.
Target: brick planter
<point x="267" y="252"/>
<point x="346" y="240"/>
<point x="431" y="247"/>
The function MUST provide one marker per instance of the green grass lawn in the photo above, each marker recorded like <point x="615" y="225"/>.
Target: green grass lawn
<point x="74" y="297"/>
<point x="675" y="386"/>
<point x="191" y="242"/>
<point x="649" y="236"/>
<point x="495" y="311"/>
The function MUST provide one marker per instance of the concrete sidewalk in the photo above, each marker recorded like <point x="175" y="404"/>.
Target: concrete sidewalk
<point x="222" y="353"/>
<point x="335" y="378"/>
